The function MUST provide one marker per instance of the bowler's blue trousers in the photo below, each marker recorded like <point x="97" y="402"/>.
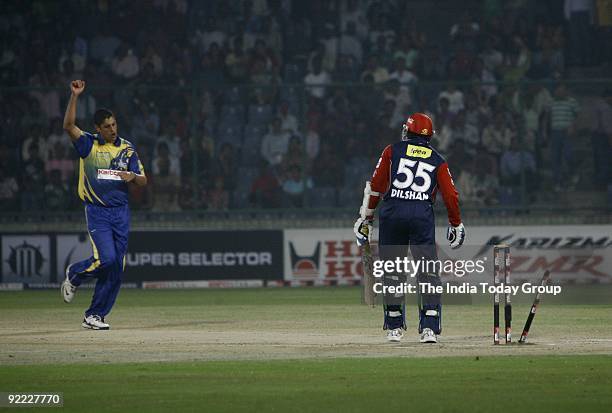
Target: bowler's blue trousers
<point x="108" y="229"/>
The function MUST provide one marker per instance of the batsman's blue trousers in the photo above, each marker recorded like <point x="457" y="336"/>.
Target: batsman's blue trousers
<point x="407" y="223"/>
<point x="108" y="229"/>
<point x="402" y="225"/>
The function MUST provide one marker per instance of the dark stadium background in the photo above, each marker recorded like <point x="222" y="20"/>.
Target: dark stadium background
<point x="197" y="87"/>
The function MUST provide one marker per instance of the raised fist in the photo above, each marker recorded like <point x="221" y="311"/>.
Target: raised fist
<point x="77" y="87"/>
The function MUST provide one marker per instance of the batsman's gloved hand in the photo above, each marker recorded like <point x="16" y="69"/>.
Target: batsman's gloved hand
<point x="362" y="230"/>
<point x="455" y="235"/>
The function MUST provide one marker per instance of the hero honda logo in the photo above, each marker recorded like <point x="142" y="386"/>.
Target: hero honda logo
<point x="307" y="266"/>
<point x="330" y="259"/>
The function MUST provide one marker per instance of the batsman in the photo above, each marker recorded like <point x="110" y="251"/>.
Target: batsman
<point x="407" y="178"/>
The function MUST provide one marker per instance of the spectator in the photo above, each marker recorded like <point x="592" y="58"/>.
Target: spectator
<point x="406" y="78"/>
<point x="164" y="157"/>
<point x="327" y="169"/>
<point x="381" y="47"/>
<point x="476" y="184"/>
<point x="332" y="49"/>
<point x="496" y="136"/>
<point x="225" y="165"/>
<point x="579" y="14"/>
<point x="236" y="61"/>
<point x="601" y="139"/>
<point x="316" y="80"/>
<point x="154" y="59"/>
<point x="275" y="143"/>
<point x="443" y="113"/>
<point x="295" y="155"/>
<point x="466" y="181"/>
<point x="125" y="64"/>
<point x="517" y="63"/>
<point x="34" y="168"/>
<point x="466" y="29"/>
<point x="31" y="197"/>
<point x="481" y="74"/>
<point x="328" y="63"/>
<point x="379" y="73"/>
<point x="59" y="161"/>
<point x="455" y="98"/>
<point x="312" y="143"/>
<point x="212" y="34"/>
<point x="406" y="52"/>
<point x="351" y="11"/>
<point x="435" y="67"/>
<point x="48" y="99"/>
<point x="294" y="187"/>
<point x="33" y="115"/>
<point x="56" y="136"/>
<point x="347" y="70"/>
<point x="145" y="124"/>
<point x="56" y="192"/>
<point x="265" y="190"/>
<point x="166" y="182"/>
<point x="485" y="183"/>
<point x="402" y="99"/>
<point x="530" y="118"/>
<point x="562" y="113"/>
<point x="218" y="196"/>
<point x="466" y="132"/>
<point x="491" y="57"/>
<point x="186" y="196"/>
<point x="9" y="189"/>
<point x="35" y="139"/>
<point x="443" y="137"/>
<point x="516" y="163"/>
<point x="458" y="159"/>
<point x="104" y="44"/>
<point x="349" y="43"/>
<point x="289" y="123"/>
<point x="169" y="138"/>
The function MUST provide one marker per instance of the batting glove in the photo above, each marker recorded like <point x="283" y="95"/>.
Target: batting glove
<point x="455" y="235"/>
<point x="362" y="230"/>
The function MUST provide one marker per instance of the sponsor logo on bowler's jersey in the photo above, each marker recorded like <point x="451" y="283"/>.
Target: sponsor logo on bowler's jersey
<point x="418" y="151"/>
<point x="109" y="174"/>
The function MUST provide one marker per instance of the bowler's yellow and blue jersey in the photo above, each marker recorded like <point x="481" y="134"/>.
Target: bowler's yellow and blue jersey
<point x="98" y="184"/>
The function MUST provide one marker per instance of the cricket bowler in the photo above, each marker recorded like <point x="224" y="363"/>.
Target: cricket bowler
<point x="407" y="177"/>
<point x="107" y="164"/>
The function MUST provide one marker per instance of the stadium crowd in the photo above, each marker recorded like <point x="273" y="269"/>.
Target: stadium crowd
<point x="270" y="103"/>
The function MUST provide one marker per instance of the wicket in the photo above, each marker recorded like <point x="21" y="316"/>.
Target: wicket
<point x="534" y="308"/>
<point x="501" y="259"/>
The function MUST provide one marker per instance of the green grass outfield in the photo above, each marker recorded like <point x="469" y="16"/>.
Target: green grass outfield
<point x="459" y="384"/>
<point x="303" y="349"/>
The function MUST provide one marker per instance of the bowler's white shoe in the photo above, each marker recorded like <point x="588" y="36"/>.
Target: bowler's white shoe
<point x="95" y="322"/>
<point x="68" y="290"/>
<point x="395" y="335"/>
<point x="428" y="336"/>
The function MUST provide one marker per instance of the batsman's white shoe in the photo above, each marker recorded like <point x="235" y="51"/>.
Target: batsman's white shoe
<point x="395" y="335"/>
<point x="428" y="336"/>
<point x="95" y="322"/>
<point x="68" y="290"/>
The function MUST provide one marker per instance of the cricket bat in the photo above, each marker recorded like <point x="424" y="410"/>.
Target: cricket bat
<point x="369" y="296"/>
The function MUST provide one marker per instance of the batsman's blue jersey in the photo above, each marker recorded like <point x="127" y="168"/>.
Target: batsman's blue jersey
<point x="99" y="183"/>
<point x="408" y="176"/>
